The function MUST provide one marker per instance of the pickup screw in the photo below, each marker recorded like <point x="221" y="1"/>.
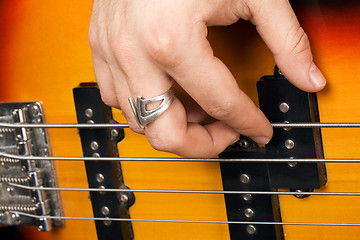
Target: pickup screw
<point x="94" y="145"/>
<point x="105" y="210"/>
<point x="96" y="155"/>
<point x="284" y="107"/>
<point x="124" y="198"/>
<point x="89" y="112"/>
<point x="102" y="193"/>
<point x="248" y="212"/>
<point x="114" y="133"/>
<point x="287" y="128"/>
<point x="247" y="197"/>
<point x="40" y="228"/>
<point x="243" y="143"/>
<point x="292" y="164"/>
<point x="251" y="229"/>
<point x="90" y="122"/>
<point x="107" y="223"/>
<point x="289" y="144"/>
<point x="244" y="178"/>
<point x="99" y="177"/>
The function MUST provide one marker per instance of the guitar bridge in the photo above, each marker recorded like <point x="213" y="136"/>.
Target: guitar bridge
<point x="29" y="173"/>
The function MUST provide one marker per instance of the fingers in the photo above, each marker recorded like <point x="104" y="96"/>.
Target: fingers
<point x="172" y="133"/>
<point x="210" y="83"/>
<point x="281" y="31"/>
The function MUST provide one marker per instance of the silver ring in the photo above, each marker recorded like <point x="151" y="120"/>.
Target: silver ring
<point x="143" y="116"/>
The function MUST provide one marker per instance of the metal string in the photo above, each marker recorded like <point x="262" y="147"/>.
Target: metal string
<point x="185" y="191"/>
<point x="124" y="125"/>
<point x="187" y="221"/>
<point x="140" y="159"/>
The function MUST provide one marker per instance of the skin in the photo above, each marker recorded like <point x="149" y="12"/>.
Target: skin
<point x="141" y="47"/>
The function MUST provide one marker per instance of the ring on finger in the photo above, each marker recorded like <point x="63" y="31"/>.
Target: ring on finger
<point x="143" y="116"/>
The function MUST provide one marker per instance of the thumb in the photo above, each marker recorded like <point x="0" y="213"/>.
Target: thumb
<point x="278" y="26"/>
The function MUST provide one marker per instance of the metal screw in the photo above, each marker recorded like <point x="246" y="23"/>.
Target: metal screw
<point x="34" y="200"/>
<point x="99" y="177"/>
<point x="292" y="164"/>
<point x="15" y="217"/>
<point x="107" y="223"/>
<point x="94" y="145"/>
<point x="243" y="143"/>
<point x="248" y="212"/>
<point x="247" y="197"/>
<point x="10" y="190"/>
<point x="114" y="133"/>
<point x="124" y="198"/>
<point x="23" y="168"/>
<point x="18" y="137"/>
<point x="284" y="107"/>
<point x="35" y="109"/>
<point x="289" y="144"/>
<point x="299" y="195"/>
<point x="251" y="229"/>
<point x="96" y="155"/>
<point x="105" y="210"/>
<point x="89" y="112"/>
<point x="90" y="122"/>
<point x="280" y="72"/>
<point x="287" y="129"/>
<point x="40" y="228"/>
<point x="102" y="193"/>
<point x="244" y="178"/>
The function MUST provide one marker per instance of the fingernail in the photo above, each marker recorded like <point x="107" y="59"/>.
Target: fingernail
<point x="261" y="140"/>
<point x="316" y="77"/>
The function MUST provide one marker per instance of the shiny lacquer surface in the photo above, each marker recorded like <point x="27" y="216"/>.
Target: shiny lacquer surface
<point x="44" y="53"/>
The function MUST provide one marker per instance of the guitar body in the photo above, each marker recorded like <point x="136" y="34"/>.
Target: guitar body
<point x="44" y="53"/>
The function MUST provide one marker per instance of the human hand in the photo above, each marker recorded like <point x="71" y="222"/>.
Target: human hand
<point x="141" y="47"/>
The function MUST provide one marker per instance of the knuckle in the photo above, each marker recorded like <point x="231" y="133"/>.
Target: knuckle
<point x="109" y="100"/>
<point x="166" y="143"/>
<point x="162" y="46"/>
<point x="223" y="111"/>
<point x="93" y="38"/>
<point x="298" y="41"/>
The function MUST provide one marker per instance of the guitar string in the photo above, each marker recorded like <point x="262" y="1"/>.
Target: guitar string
<point x="124" y="125"/>
<point x="186" y="221"/>
<point x="141" y="159"/>
<point x="185" y="191"/>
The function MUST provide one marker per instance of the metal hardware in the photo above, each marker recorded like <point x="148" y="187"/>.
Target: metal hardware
<point x="289" y="144"/>
<point x="99" y="177"/>
<point x="248" y="212"/>
<point x="89" y="112"/>
<point x="114" y="133"/>
<point x="284" y="107"/>
<point x="94" y="145"/>
<point x="296" y="143"/>
<point x="102" y="141"/>
<point x="105" y="210"/>
<point x="244" y="178"/>
<point x="26" y="143"/>
<point x="251" y="229"/>
<point x="247" y="197"/>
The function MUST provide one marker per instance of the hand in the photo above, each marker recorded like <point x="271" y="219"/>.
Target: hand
<point x="141" y="47"/>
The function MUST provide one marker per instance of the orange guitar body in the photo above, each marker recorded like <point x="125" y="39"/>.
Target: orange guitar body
<point x="44" y="53"/>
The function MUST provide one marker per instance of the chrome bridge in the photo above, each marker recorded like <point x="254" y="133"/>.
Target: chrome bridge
<point x="26" y="142"/>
